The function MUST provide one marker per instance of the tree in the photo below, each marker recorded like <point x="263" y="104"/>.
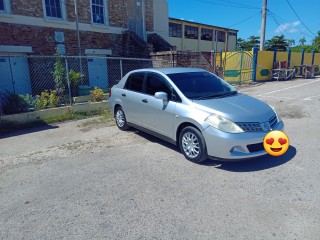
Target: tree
<point x="316" y="42"/>
<point x="306" y="48"/>
<point x="302" y="41"/>
<point x="278" y="42"/>
<point x="240" y="43"/>
<point x="291" y="42"/>
<point x="252" y="41"/>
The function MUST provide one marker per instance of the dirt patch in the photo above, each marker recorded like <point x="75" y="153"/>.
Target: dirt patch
<point x="292" y="112"/>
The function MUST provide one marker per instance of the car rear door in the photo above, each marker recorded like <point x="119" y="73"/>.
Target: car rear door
<point x="131" y="97"/>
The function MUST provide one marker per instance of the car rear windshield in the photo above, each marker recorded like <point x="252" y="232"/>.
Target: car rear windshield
<point x="201" y="85"/>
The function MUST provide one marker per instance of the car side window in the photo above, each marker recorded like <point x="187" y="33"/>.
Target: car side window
<point x="156" y="84"/>
<point x="135" y="82"/>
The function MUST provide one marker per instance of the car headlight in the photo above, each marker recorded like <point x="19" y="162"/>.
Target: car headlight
<point x="275" y="111"/>
<point x="223" y="124"/>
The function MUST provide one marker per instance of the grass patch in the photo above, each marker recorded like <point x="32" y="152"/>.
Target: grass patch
<point x="105" y="117"/>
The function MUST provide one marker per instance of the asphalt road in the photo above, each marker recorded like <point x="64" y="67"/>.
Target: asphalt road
<point x="87" y="181"/>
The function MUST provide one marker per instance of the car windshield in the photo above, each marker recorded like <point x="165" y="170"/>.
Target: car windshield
<point x="201" y="85"/>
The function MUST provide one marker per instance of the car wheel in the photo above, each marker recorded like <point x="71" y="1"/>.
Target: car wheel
<point x="121" y="120"/>
<point x="193" y="145"/>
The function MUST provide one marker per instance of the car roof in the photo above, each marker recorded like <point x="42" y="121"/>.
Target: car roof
<point x="171" y="70"/>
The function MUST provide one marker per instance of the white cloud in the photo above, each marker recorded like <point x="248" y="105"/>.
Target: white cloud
<point x="288" y="27"/>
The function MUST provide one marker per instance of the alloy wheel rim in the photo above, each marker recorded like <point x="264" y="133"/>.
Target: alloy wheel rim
<point x="190" y="145"/>
<point x="120" y="118"/>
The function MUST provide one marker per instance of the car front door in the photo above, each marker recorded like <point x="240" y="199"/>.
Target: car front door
<point x="158" y="115"/>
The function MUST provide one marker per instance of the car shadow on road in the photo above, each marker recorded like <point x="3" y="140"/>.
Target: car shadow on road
<point x="254" y="164"/>
<point x="251" y="165"/>
<point x="154" y="139"/>
<point x="7" y="133"/>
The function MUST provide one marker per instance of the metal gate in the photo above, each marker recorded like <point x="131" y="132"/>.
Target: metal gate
<point x="237" y="66"/>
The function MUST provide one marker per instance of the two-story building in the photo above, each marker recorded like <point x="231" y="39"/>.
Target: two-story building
<point x="126" y="28"/>
<point x="42" y="26"/>
<point x="193" y="36"/>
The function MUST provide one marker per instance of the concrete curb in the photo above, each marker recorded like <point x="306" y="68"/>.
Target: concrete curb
<point x="28" y="117"/>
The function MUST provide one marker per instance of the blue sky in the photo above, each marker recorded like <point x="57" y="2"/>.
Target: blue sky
<point x="245" y="16"/>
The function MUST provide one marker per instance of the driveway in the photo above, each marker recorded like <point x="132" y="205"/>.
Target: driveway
<point x="82" y="180"/>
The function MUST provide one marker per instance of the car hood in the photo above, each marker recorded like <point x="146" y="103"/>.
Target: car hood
<point x="238" y="108"/>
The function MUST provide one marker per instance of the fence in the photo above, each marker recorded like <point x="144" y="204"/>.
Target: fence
<point x="48" y="81"/>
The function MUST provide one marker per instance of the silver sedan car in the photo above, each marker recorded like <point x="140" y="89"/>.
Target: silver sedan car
<point x="194" y="109"/>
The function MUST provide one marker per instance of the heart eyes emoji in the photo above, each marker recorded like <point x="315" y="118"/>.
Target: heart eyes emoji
<point x="282" y="141"/>
<point x="270" y="141"/>
<point x="276" y="143"/>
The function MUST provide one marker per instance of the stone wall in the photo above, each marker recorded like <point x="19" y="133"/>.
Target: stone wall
<point x="181" y="59"/>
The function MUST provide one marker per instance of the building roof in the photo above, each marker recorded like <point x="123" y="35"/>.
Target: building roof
<point x="203" y="24"/>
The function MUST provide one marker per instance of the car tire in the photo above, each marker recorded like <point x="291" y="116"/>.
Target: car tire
<point x="193" y="145"/>
<point x="121" y="120"/>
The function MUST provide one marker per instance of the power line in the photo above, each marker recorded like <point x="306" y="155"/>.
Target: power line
<point x="278" y="19"/>
<point x="273" y="17"/>
<point x="245" y="19"/>
<point x="239" y="4"/>
<point x="235" y="5"/>
<point x="299" y="18"/>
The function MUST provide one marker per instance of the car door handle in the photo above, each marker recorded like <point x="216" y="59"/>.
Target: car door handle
<point x="123" y="95"/>
<point x="145" y="100"/>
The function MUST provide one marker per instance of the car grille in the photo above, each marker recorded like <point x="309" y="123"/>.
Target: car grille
<point x="273" y="121"/>
<point x="255" y="147"/>
<point x="255" y="126"/>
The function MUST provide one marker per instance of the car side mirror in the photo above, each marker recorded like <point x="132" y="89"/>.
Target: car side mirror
<point x="161" y="95"/>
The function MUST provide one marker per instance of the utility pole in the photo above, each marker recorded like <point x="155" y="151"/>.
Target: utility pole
<point x="78" y="36"/>
<point x="263" y="25"/>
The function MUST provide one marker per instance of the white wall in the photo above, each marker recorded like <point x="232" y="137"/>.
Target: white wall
<point x="161" y="18"/>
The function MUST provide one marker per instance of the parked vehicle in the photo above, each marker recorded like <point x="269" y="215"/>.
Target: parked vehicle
<point x="194" y="109"/>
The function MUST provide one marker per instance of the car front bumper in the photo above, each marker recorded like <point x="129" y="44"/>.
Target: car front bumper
<point x="234" y="146"/>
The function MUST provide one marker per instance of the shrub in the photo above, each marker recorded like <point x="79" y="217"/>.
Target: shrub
<point x="47" y="99"/>
<point x="97" y="94"/>
<point x="74" y="77"/>
<point x="74" y="82"/>
<point x="59" y="75"/>
<point x="13" y="103"/>
<point x="29" y="99"/>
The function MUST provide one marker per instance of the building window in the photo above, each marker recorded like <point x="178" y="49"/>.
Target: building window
<point x="232" y="34"/>
<point x="4" y="6"/>
<point x="191" y="32"/>
<point x="206" y="34"/>
<point x="98" y="8"/>
<point x="221" y="36"/>
<point x="175" y="30"/>
<point x="54" y="9"/>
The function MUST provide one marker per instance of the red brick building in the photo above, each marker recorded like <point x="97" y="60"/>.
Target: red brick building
<point x="118" y="28"/>
<point x="106" y="27"/>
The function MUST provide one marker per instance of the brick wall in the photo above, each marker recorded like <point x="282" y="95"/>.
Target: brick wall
<point x="117" y="11"/>
<point x="42" y="40"/>
<point x="149" y="15"/>
<point x="182" y="59"/>
<point x="84" y="12"/>
<point x="27" y="8"/>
